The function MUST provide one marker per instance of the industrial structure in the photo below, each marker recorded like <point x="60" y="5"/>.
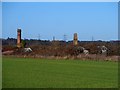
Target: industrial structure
<point x="19" y="45"/>
<point x="75" y="39"/>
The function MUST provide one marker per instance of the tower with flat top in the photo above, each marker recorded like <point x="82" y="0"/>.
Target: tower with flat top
<point x="75" y="39"/>
<point x="19" y="38"/>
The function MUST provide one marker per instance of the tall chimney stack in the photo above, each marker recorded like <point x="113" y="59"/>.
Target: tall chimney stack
<point x="18" y="38"/>
<point x="75" y="39"/>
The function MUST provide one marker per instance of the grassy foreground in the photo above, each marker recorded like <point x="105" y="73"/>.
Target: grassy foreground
<point x="39" y="73"/>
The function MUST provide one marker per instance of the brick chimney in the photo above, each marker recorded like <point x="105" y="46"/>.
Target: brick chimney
<point x="18" y="38"/>
<point x="75" y="39"/>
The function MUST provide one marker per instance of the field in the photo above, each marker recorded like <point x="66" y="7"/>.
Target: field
<point x="43" y="73"/>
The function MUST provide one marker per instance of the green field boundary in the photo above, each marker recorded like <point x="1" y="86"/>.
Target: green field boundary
<point x="0" y="71"/>
<point x="60" y="89"/>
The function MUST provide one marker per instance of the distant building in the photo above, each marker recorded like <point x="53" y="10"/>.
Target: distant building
<point x="19" y="38"/>
<point x="75" y="39"/>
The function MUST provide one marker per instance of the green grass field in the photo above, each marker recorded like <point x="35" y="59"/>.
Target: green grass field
<point x="39" y="73"/>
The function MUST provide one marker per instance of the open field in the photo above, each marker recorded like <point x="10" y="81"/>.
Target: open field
<point x="40" y="73"/>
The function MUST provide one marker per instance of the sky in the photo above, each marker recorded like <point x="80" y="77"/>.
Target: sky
<point x="97" y="20"/>
<point x="60" y="0"/>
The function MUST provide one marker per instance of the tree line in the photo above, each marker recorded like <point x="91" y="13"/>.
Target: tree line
<point x="61" y="48"/>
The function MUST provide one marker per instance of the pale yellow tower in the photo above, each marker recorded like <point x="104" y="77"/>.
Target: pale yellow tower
<point x="75" y="39"/>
